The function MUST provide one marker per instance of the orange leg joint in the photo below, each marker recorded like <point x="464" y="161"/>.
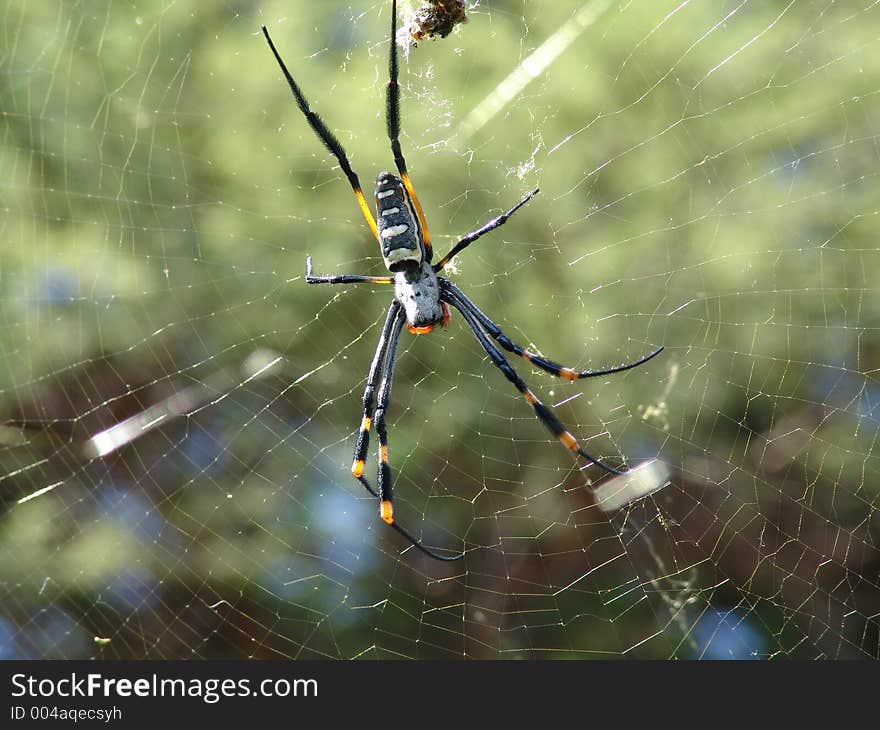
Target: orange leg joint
<point x="386" y="512"/>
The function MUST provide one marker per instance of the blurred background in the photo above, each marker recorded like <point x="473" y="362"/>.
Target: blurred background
<point x="179" y="409"/>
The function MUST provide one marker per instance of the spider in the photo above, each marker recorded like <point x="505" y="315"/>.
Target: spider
<point x="421" y="297"/>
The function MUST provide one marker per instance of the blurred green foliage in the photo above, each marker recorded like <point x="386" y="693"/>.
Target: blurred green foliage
<point x="709" y="182"/>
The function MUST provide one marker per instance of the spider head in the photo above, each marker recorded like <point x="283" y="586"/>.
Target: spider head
<point x="399" y="233"/>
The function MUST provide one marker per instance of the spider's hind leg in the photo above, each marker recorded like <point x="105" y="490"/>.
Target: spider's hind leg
<point x="392" y="123"/>
<point x="333" y="145"/>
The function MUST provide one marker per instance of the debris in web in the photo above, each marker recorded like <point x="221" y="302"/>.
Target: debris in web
<point x="437" y="18"/>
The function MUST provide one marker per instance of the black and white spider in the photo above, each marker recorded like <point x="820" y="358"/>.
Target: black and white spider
<point x="421" y="298"/>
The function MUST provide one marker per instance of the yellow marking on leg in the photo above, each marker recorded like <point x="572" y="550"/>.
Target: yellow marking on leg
<point x="426" y="237"/>
<point x="365" y="424"/>
<point x="383" y="453"/>
<point x="529" y="396"/>
<point x="386" y="512"/>
<point x="368" y="215"/>
<point x="568" y="374"/>
<point x="357" y="468"/>
<point x="527" y="355"/>
<point x="569" y="440"/>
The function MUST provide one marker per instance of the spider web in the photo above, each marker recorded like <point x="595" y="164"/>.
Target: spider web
<point x="179" y="408"/>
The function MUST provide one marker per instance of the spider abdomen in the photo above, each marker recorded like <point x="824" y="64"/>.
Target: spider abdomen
<point x="397" y="226"/>
<point x="417" y="290"/>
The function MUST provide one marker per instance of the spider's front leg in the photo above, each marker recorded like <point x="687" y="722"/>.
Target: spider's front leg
<point x="384" y="491"/>
<point x="549" y="366"/>
<point x="544" y="414"/>
<point x="384" y="483"/>
<point x="363" y="440"/>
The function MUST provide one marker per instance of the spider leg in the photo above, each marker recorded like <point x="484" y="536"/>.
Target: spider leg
<point x="496" y="222"/>
<point x="392" y="122"/>
<point x="551" y="367"/>
<point x="384" y="491"/>
<point x="326" y="136"/>
<point x="343" y="278"/>
<point x="545" y="415"/>
<point x="363" y="440"/>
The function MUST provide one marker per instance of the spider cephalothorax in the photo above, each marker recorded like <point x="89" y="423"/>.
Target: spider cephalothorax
<point x="417" y="288"/>
<point x="421" y="297"/>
